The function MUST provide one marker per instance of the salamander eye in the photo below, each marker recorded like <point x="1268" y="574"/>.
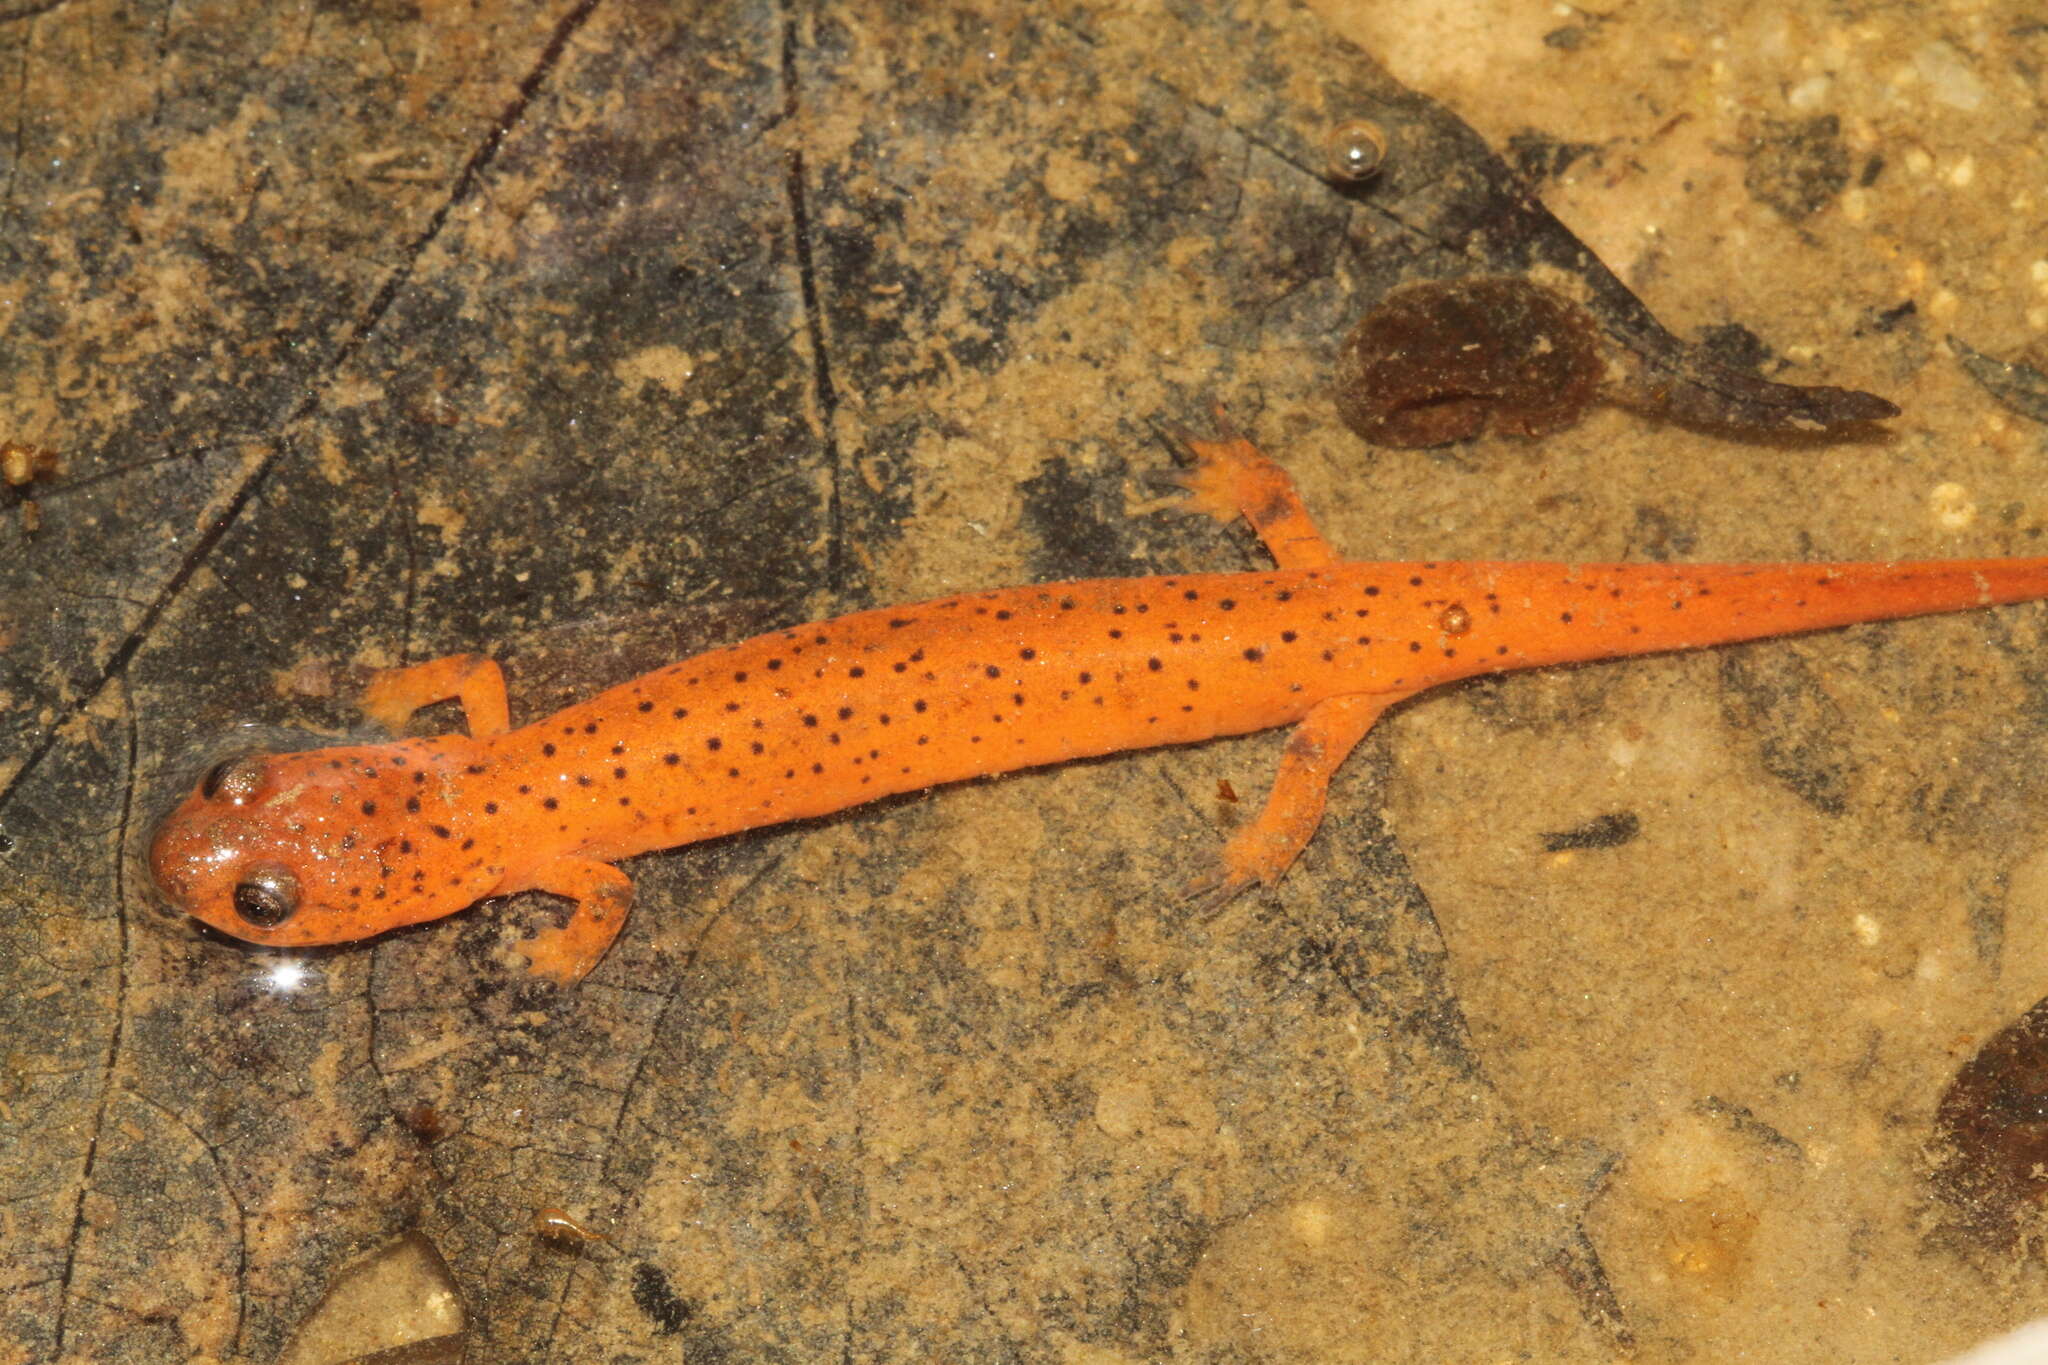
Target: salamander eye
<point x="267" y="895"/>
<point x="235" y="779"/>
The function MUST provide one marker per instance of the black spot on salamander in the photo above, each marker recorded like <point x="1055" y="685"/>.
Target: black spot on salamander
<point x="992" y="671"/>
<point x="740" y="676"/>
<point x="680" y="712"/>
<point x="549" y="802"/>
<point x="774" y="665"/>
<point x="714" y="744"/>
<point x="1254" y="654"/>
<point x="548" y="748"/>
<point x="1027" y="655"/>
<point x="918" y="706"/>
<point x="369" y="807"/>
<point x="856" y="672"/>
<point x="1155" y="663"/>
<point x="846" y="713"/>
<point x="1372" y="590"/>
<point x="490" y="808"/>
<point x="1565" y="617"/>
<point x="621" y="772"/>
<point x="671" y="759"/>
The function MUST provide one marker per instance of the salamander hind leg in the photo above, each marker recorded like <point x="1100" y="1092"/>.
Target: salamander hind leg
<point x="603" y="895"/>
<point x="1268" y="846"/>
<point x="394" y="694"/>
<point x="1231" y="478"/>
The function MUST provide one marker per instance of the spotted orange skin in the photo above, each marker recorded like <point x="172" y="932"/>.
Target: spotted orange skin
<point x="808" y="721"/>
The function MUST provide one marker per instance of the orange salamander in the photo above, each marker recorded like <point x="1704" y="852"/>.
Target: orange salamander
<point x="336" y="844"/>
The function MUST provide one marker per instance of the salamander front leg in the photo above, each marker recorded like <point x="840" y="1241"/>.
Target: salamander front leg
<point x="1231" y="478"/>
<point x="1265" y="848"/>
<point x="396" y="693"/>
<point x="603" y="895"/>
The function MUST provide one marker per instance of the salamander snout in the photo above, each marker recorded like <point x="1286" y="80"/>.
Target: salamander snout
<point x="209" y="856"/>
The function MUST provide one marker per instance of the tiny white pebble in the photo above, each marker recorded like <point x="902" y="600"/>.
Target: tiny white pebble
<point x="1950" y="506"/>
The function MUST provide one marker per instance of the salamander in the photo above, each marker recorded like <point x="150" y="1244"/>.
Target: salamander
<point x="337" y="844"/>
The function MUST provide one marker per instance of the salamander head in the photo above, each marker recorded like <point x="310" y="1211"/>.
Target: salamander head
<point x="325" y="846"/>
